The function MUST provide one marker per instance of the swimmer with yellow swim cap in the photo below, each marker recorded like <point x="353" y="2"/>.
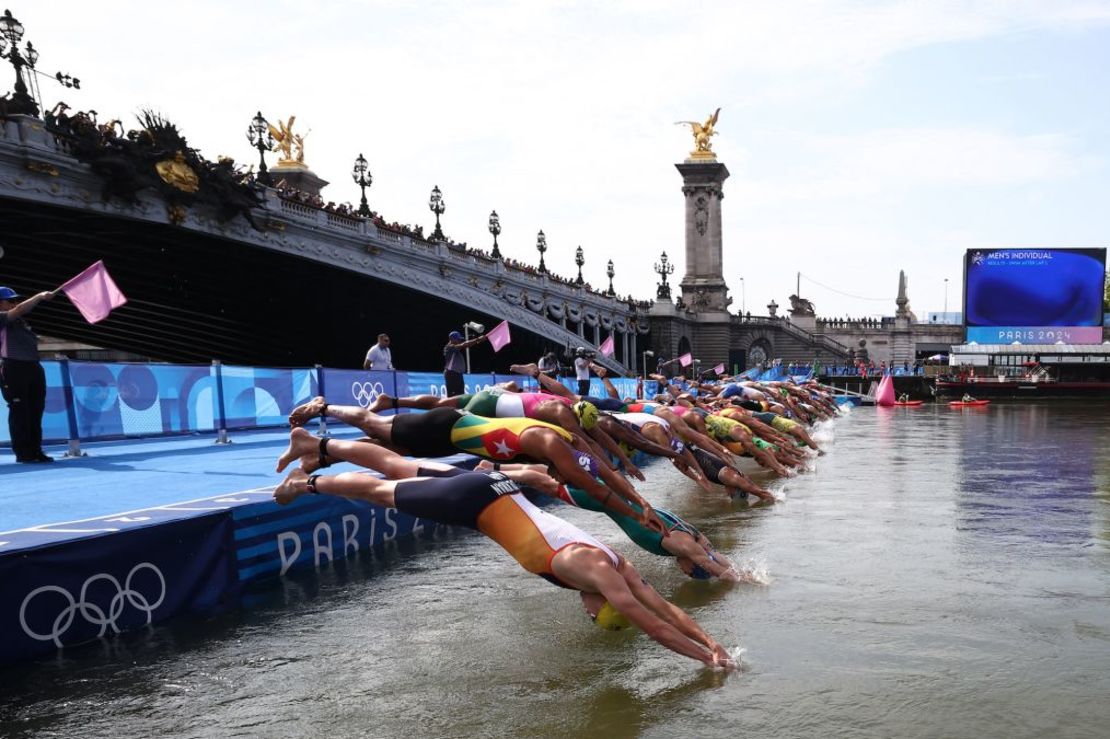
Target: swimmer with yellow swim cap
<point x="493" y="504"/>
<point x="605" y="616"/>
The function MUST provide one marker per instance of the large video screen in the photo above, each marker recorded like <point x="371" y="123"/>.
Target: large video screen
<point x="1035" y="296"/>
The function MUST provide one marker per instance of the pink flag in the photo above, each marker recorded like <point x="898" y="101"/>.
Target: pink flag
<point x="499" y="336"/>
<point x="94" y="293"/>
<point x="719" y="369"/>
<point x="607" y="347"/>
<point x="686" y="359"/>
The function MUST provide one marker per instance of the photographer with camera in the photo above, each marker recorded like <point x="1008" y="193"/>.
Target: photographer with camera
<point x="582" y="359"/>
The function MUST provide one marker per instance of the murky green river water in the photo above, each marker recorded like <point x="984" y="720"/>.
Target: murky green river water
<point x="940" y="573"/>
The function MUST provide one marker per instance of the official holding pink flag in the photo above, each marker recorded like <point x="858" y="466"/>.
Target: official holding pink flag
<point x="22" y="379"/>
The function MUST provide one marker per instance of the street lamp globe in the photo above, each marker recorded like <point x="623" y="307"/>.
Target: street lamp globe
<point x="495" y="229"/>
<point x="541" y="247"/>
<point x="11" y="28"/>
<point x="259" y="136"/>
<point x="360" y="173"/>
<point x="579" y="259"/>
<point x="439" y="207"/>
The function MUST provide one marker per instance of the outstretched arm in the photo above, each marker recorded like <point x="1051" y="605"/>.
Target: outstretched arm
<point x="29" y="304"/>
<point x="672" y="614"/>
<point x="624" y="488"/>
<point x="606" y="441"/>
<point x="590" y="571"/>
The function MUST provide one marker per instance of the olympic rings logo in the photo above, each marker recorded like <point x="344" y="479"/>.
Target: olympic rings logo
<point x="366" y="393"/>
<point x="92" y="612"/>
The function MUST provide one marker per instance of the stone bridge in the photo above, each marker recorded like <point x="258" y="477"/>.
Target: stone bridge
<point x="308" y="286"/>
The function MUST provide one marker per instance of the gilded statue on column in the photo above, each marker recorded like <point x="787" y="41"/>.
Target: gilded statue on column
<point x="289" y="145"/>
<point x="703" y="132"/>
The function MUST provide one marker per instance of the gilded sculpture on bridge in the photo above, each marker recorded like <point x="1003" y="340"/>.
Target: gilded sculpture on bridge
<point x="703" y="132"/>
<point x="289" y="145"/>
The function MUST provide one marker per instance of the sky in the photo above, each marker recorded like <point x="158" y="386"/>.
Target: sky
<point x="862" y="138"/>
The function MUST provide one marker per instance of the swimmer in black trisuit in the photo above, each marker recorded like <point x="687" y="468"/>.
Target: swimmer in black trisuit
<point x="507" y="402"/>
<point x="719" y="471"/>
<point x="445" y="431"/>
<point x="543" y="544"/>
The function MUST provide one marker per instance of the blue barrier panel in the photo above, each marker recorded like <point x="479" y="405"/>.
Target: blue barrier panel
<point x="67" y="593"/>
<point x="55" y="424"/>
<point x="314" y="530"/>
<point x="113" y="400"/>
<point x="358" y="387"/>
<point x="262" y="396"/>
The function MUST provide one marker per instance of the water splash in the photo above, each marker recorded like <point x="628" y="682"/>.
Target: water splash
<point x="755" y="571"/>
<point x="736" y="654"/>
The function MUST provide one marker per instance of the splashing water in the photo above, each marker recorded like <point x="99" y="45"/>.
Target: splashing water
<point x="754" y="570"/>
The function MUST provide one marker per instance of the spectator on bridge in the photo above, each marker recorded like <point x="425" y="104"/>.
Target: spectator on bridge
<point x="379" y="356"/>
<point x="453" y="363"/>
<point x="22" y="380"/>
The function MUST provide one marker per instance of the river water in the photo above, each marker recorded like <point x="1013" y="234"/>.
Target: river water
<point x="940" y="573"/>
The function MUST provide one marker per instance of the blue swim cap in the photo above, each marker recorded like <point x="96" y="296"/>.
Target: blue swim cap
<point x="700" y="573"/>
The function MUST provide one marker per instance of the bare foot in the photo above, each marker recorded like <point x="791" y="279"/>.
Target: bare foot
<point x="525" y="369"/>
<point x="383" y="401"/>
<point x="304" y="413"/>
<point x="311" y="462"/>
<point x="301" y="443"/>
<point x="293" y="486"/>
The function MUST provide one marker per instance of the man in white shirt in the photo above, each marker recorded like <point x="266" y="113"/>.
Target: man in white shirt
<point x="582" y="370"/>
<point x="379" y="358"/>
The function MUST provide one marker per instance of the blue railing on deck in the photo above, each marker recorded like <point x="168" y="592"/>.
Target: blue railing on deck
<point x="118" y="400"/>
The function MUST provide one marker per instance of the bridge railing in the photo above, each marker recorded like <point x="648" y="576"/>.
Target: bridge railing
<point x="786" y="326"/>
<point x="92" y="401"/>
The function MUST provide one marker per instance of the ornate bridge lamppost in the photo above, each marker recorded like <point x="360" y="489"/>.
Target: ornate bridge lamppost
<point x="11" y="32"/>
<point x="579" y="259"/>
<point x="360" y="173"/>
<point x="258" y="134"/>
<point x="541" y="247"/>
<point x="610" y="272"/>
<point x="495" y="229"/>
<point x="663" y="268"/>
<point x="437" y="206"/>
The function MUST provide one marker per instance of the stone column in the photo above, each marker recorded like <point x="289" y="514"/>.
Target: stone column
<point x="703" y="285"/>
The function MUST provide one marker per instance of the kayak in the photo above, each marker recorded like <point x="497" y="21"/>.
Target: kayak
<point x="960" y="403"/>
<point x="911" y="403"/>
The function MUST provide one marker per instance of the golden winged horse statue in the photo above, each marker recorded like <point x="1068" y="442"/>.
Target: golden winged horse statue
<point x="283" y="138"/>
<point x="702" y="133"/>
